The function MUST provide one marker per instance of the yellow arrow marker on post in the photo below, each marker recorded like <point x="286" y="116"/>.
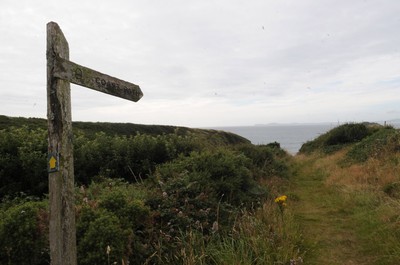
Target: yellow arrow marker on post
<point x="53" y="165"/>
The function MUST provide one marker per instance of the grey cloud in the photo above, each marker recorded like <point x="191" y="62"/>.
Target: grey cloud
<point x="239" y="55"/>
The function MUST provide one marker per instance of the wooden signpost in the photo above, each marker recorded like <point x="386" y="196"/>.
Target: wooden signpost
<point x="60" y="72"/>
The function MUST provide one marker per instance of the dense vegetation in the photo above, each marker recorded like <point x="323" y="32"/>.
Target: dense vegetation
<point x="123" y="151"/>
<point x="173" y="195"/>
<point x="147" y="195"/>
<point x="339" y="137"/>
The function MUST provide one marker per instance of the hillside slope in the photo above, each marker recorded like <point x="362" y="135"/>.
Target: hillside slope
<point x="126" y="129"/>
<point x="346" y="194"/>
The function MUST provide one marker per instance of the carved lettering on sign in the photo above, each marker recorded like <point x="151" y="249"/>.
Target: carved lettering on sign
<point x="109" y="85"/>
<point x="87" y="77"/>
<point x="78" y="73"/>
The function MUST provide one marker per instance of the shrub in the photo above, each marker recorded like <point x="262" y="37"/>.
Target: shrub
<point x="347" y="133"/>
<point x="201" y="189"/>
<point x="23" y="160"/>
<point x="112" y="214"/>
<point x="267" y="160"/>
<point x="126" y="157"/>
<point x="24" y="234"/>
<point x="222" y="174"/>
<point x="102" y="231"/>
<point x="385" y="139"/>
<point x="339" y="137"/>
<point x="131" y="212"/>
<point x="181" y="203"/>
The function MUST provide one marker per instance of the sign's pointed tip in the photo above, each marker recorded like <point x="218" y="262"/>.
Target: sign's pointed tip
<point x="52" y="23"/>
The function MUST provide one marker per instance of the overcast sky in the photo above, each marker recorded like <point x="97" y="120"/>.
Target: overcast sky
<point x="211" y="63"/>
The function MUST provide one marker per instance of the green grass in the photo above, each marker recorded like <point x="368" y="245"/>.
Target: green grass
<point x="341" y="223"/>
<point x="324" y="217"/>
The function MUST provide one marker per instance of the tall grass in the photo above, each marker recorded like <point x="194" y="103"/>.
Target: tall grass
<point x="378" y="226"/>
<point x="369" y="193"/>
<point x="375" y="173"/>
<point x="268" y="236"/>
<point x="265" y="236"/>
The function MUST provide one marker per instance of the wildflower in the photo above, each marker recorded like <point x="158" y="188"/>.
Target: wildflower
<point x="108" y="250"/>
<point x="215" y="227"/>
<point x="281" y="199"/>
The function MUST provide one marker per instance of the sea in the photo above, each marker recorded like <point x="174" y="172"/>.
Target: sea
<point x="290" y="136"/>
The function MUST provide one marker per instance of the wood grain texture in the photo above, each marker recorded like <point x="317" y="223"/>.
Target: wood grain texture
<point x="87" y="77"/>
<point x="62" y="231"/>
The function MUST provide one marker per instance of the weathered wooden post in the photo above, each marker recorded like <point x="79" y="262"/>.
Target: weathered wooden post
<point x="60" y="72"/>
<point x="62" y="233"/>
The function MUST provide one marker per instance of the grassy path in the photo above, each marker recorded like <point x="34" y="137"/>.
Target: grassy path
<point x="325" y="218"/>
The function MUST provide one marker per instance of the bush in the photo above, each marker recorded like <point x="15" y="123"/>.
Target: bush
<point x="339" y="137"/>
<point x="201" y="189"/>
<point x="385" y="139"/>
<point x="347" y="133"/>
<point x="112" y="214"/>
<point x="222" y="174"/>
<point x="131" y="212"/>
<point x="23" y="160"/>
<point x="118" y="152"/>
<point x="130" y="157"/>
<point x="103" y="230"/>
<point x="267" y="160"/>
<point x="181" y="203"/>
<point x="24" y="234"/>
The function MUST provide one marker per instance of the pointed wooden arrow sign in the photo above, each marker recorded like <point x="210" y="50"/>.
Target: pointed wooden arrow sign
<point x="87" y="77"/>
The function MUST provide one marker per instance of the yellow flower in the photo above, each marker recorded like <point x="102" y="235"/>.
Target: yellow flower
<point x="281" y="199"/>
